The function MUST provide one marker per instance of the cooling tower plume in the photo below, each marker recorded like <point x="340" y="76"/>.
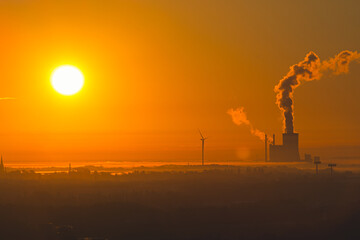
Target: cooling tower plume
<point x="239" y="117"/>
<point x="309" y="69"/>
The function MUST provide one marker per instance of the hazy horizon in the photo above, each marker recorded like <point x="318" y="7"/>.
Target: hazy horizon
<point x="157" y="71"/>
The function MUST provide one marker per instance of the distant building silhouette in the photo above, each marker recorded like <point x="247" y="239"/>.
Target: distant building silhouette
<point x="308" y="158"/>
<point x="288" y="152"/>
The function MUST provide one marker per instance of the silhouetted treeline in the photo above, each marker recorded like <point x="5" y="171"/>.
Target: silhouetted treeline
<point x="214" y="203"/>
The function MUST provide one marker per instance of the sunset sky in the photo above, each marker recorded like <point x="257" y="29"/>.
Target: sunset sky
<point x="157" y="71"/>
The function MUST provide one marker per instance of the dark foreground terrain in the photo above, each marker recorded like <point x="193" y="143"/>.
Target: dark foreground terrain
<point x="216" y="203"/>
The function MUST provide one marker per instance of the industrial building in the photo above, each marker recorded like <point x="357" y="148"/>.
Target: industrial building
<point x="287" y="152"/>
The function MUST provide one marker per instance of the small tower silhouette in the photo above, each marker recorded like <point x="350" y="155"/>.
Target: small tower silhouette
<point x="317" y="162"/>
<point x="331" y="165"/>
<point x="266" y="148"/>
<point x="2" y="167"/>
<point x="69" y="168"/>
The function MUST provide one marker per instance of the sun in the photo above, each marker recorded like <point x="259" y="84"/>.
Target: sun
<point x="67" y="80"/>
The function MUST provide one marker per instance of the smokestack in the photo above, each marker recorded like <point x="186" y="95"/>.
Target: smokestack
<point x="273" y="139"/>
<point x="266" y="148"/>
<point x="289" y="129"/>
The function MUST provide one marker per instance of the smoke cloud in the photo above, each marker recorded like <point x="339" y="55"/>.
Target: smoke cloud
<point x="311" y="68"/>
<point x="239" y="117"/>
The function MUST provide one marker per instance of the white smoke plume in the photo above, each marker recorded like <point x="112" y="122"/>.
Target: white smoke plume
<point x="311" y="68"/>
<point x="239" y="117"/>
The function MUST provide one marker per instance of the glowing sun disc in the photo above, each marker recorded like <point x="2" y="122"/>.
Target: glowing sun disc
<point x="67" y="80"/>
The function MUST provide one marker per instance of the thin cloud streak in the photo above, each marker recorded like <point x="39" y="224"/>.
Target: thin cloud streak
<point x="7" y="98"/>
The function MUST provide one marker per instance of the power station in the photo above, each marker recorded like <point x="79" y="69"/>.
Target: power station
<point x="287" y="152"/>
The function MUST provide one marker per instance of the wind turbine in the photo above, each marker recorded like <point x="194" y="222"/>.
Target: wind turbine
<point x="202" y="144"/>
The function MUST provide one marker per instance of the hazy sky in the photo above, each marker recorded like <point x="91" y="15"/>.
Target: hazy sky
<point x="156" y="71"/>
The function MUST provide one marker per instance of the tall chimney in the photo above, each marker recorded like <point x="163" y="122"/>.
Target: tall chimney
<point x="266" y="148"/>
<point x="273" y="139"/>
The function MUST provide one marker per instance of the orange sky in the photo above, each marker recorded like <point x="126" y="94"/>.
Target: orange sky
<point x="156" y="71"/>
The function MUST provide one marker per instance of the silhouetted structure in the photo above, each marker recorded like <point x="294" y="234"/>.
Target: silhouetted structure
<point x="87" y="205"/>
<point x="331" y="165"/>
<point x="288" y="152"/>
<point x="266" y="148"/>
<point x="202" y="147"/>
<point x="2" y="167"/>
<point x="308" y="157"/>
<point x="317" y="162"/>
<point x="273" y="139"/>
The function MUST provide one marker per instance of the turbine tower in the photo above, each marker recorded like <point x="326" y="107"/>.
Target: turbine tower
<point x="202" y="145"/>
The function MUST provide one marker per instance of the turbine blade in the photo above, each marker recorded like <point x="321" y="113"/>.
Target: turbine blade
<point x="201" y="134"/>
